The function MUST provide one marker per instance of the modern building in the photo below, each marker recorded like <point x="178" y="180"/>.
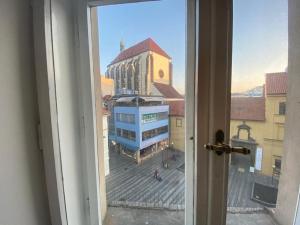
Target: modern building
<point x="135" y="69"/>
<point x="140" y="126"/>
<point x="258" y="123"/>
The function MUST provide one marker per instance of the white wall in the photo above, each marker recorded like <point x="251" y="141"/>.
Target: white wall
<point x="22" y="187"/>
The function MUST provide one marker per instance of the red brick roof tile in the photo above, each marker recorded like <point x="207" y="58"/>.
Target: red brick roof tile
<point x="176" y="108"/>
<point x="144" y="46"/>
<point x="248" y="108"/>
<point x="167" y="91"/>
<point x="276" y="83"/>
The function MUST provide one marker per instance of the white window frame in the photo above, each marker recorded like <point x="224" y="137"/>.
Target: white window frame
<point x="200" y="79"/>
<point x="190" y="185"/>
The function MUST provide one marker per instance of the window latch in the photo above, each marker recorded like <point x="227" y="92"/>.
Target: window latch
<point x="219" y="148"/>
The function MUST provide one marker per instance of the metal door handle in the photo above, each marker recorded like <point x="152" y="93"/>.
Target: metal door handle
<point x="221" y="148"/>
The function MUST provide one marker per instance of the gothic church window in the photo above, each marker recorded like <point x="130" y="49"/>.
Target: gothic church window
<point x="129" y="76"/>
<point x="123" y="80"/>
<point x="136" y="75"/>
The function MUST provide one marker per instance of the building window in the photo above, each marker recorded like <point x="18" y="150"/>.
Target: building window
<point x="123" y="76"/>
<point x="282" y="108"/>
<point x="178" y="122"/>
<point x="136" y="76"/>
<point x="152" y="117"/>
<point x="125" y="118"/>
<point x="128" y="134"/>
<point x="154" y="132"/>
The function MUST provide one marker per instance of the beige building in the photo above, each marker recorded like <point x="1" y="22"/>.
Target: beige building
<point x="260" y="122"/>
<point x="107" y="86"/>
<point x="177" y="124"/>
<point x="135" y="69"/>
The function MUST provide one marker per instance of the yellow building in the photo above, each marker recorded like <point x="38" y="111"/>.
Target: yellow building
<point x="260" y="122"/>
<point x="107" y="86"/>
<point x="135" y="69"/>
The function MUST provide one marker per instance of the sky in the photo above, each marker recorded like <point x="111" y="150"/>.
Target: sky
<point x="259" y="36"/>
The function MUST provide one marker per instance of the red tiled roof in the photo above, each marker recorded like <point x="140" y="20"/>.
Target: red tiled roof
<point x="167" y="91"/>
<point x="176" y="108"/>
<point x="144" y="46"/>
<point x="276" y="83"/>
<point x="248" y="108"/>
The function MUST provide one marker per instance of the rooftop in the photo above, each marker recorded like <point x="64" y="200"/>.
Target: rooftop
<point x="176" y="108"/>
<point x="248" y="108"/>
<point x="138" y="100"/>
<point x="144" y="46"/>
<point x="167" y="91"/>
<point x="276" y="83"/>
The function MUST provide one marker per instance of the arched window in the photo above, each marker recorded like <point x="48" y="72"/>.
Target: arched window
<point x="136" y="75"/>
<point x="117" y="80"/>
<point x="112" y="73"/>
<point x="129" y="76"/>
<point x="123" y="74"/>
<point x="148" y="59"/>
<point x="151" y="68"/>
<point x="170" y="73"/>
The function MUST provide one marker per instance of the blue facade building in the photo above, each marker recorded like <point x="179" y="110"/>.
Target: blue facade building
<point x="141" y="126"/>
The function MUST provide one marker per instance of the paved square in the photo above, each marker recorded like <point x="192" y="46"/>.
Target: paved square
<point x="132" y="185"/>
<point x="131" y="216"/>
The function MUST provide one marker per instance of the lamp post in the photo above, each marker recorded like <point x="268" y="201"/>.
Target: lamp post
<point x="162" y="155"/>
<point x="167" y="147"/>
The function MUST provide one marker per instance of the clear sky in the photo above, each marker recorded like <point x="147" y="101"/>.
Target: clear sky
<point x="259" y="39"/>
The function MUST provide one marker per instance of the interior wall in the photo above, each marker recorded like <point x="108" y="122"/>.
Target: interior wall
<point x="22" y="186"/>
<point x="290" y="178"/>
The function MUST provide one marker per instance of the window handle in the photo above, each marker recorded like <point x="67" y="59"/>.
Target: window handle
<point x="219" y="148"/>
<point x="224" y="148"/>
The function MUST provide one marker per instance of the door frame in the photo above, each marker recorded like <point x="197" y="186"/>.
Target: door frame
<point x="213" y="86"/>
<point x="208" y="84"/>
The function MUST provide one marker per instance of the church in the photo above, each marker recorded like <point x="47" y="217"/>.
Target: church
<point x="137" y="69"/>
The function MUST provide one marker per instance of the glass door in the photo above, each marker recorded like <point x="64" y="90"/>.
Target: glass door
<point x="258" y="109"/>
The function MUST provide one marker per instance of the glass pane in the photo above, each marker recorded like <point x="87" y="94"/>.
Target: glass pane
<point x="142" y="58"/>
<point x="259" y="93"/>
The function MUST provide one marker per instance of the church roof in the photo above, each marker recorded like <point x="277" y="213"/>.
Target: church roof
<point x="176" y="108"/>
<point x="167" y="91"/>
<point x="144" y="46"/>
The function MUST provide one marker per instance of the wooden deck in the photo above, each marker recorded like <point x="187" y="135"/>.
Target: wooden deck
<point x="129" y="184"/>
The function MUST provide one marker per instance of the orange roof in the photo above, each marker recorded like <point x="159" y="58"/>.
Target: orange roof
<point x="248" y="108"/>
<point x="276" y="83"/>
<point x="176" y="108"/>
<point x="144" y="46"/>
<point x="167" y="91"/>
